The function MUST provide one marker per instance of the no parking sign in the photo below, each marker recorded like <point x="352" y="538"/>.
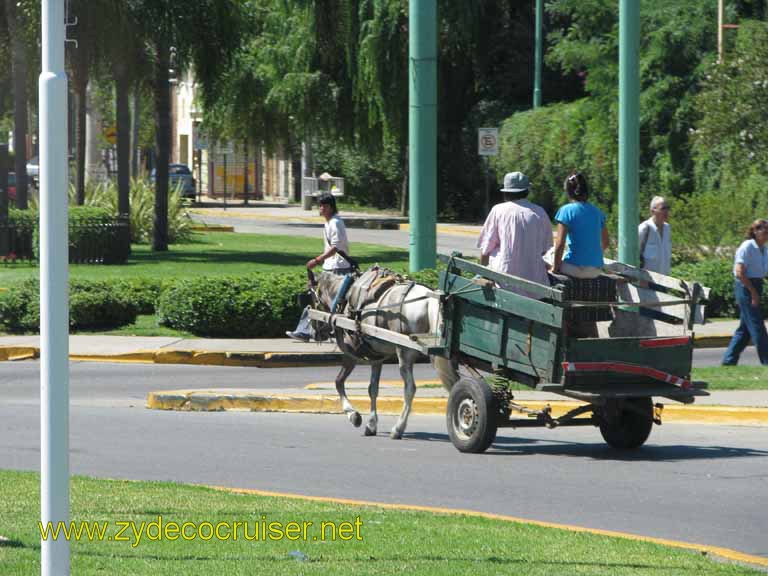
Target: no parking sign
<point x="488" y="141"/>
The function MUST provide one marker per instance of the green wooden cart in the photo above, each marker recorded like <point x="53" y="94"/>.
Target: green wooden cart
<point x="641" y="347"/>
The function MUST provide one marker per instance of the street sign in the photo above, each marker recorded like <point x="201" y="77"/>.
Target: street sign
<point x="111" y="135"/>
<point x="488" y="141"/>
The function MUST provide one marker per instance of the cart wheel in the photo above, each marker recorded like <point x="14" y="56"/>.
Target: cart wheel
<point x="471" y="424"/>
<point x="626" y="428"/>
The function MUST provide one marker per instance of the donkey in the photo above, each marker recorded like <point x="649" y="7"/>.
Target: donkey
<point x="403" y="308"/>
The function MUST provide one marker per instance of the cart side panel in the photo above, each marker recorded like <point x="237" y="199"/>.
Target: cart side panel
<point x="672" y="355"/>
<point x="505" y="340"/>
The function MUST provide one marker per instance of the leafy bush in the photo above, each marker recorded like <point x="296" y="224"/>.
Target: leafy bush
<point x="712" y="224"/>
<point x="716" y="274"/>
<point x="142" y="293"/>
<point x="255" y="306"/>
<point x="92" y="305"/>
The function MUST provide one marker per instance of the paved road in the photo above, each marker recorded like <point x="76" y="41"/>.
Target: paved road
<point x="702" y="484"/>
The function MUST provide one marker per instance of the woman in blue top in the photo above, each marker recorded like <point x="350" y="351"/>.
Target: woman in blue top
<point x="580" y="228"/>
<point x="749" y="268"/>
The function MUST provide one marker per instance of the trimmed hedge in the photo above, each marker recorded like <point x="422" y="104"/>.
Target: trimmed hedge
<point x="93" y="305"/>
<point x="254" y="306"/>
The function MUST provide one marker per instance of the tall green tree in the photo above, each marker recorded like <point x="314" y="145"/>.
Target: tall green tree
<point x="15" y="26"/>
<point x="201" y="34"/>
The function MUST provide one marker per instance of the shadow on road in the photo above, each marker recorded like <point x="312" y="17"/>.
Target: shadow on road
<point x="601" y="451"/>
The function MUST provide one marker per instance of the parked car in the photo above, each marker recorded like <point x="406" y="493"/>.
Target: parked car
<point x="179" y="173"/>
<point x="12" y="186"/>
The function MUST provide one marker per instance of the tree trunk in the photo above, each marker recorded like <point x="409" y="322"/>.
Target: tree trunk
<point x="135" y="131"/>
<point x="123" y="115"/>
<point x="245" y="171"/>
<point x="81" y="97"/>
<point x="19" y="105"/>
<point x="163" y="140"/>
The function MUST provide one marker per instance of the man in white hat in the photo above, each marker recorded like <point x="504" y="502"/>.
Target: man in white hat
<point x="516" y="234"/>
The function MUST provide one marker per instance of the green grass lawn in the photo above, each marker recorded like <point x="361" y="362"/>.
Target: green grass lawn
<point x="733" y="377"/>
<point x="383" y="541"/>
<point x="219" y="253"/>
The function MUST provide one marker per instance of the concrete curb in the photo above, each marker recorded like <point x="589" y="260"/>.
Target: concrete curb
<point x="249" y="400"/>
<point x="212" y="228"/>
<point x="12" y="353"/>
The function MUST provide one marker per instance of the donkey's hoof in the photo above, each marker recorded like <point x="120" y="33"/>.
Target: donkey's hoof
<point x="396" y="435"/>
<point x="356" y="419"/>
<point x="370" y="431"/>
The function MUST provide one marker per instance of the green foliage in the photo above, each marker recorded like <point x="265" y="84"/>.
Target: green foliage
<point x="103" y="195"/>
<point x="254" y="306"/>
<point x="549" y="142"/>
<point x="717" y="274"/>
<point x="675" y="38"/>
<point x="731" y="137"/>
<point x="92" y="305"/>
<point x="713" y="222"/>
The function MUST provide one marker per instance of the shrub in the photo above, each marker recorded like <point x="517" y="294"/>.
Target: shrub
<point x="255" y="306"/>
<point x="92" y="305"/>
<point x="142" y="293"/>
<point x="716" y="274"/>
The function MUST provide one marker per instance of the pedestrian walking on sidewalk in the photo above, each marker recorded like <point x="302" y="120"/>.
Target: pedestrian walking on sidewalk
<point x="656" y="238"/>
<point x="749" y="269"/>
<point x="335" y="244"/>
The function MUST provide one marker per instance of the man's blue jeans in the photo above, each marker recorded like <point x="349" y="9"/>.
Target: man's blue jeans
<point x="752" y="325"/>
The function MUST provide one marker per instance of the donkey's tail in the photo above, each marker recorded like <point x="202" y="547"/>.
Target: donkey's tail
<point x="447" y="370"/>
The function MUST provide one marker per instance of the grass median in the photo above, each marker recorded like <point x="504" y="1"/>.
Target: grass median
<point x="218" y="254"/>
<point x="368" y="539"/>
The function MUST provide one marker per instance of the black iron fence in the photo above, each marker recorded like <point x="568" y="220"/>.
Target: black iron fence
<point x="91" y="240"/>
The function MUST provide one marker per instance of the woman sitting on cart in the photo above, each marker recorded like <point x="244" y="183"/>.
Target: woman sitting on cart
<point x="581" y="233"/>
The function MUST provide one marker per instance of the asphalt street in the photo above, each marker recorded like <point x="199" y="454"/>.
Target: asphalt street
<point x="698" y="483"/>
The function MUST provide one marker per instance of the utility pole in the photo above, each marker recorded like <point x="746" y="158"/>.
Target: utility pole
<point x="538" y="53"/>
<point x="422" y="133"/>
<point x="721" y="27"/>
<point x="54" y="301"/>
<point x="629" y="129"/>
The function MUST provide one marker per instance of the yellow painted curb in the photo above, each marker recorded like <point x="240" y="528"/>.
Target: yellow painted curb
<point x="726" y="553"/>
<point x="449" y="230"/>
<point x="216" y="400"/>
<point x="212" y="228"/>
<point x="711" y="341"/>
<point x="18" y="353"/>
<point x="140" y="356"/>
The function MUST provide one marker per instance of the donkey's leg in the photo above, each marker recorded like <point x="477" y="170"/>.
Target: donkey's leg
<point x="406" y="358"/>
<point x="347" y="365"/>
<point x="373" y="393"/>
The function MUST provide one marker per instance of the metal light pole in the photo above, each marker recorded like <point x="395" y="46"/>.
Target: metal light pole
<point x="54" y="302"/>
<point x="629" y="129"/>
<point x="422" y="133"/>
<point x="538" y="53"/>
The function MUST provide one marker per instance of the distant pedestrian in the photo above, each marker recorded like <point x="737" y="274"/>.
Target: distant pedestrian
<point x="516" y="234"/>
<point x="750" y="268"/>
<point x="656" y="238"/>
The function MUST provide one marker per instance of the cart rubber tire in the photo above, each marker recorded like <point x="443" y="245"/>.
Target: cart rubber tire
<point x="471" y="416"/>
<point x="629" y="430"/>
